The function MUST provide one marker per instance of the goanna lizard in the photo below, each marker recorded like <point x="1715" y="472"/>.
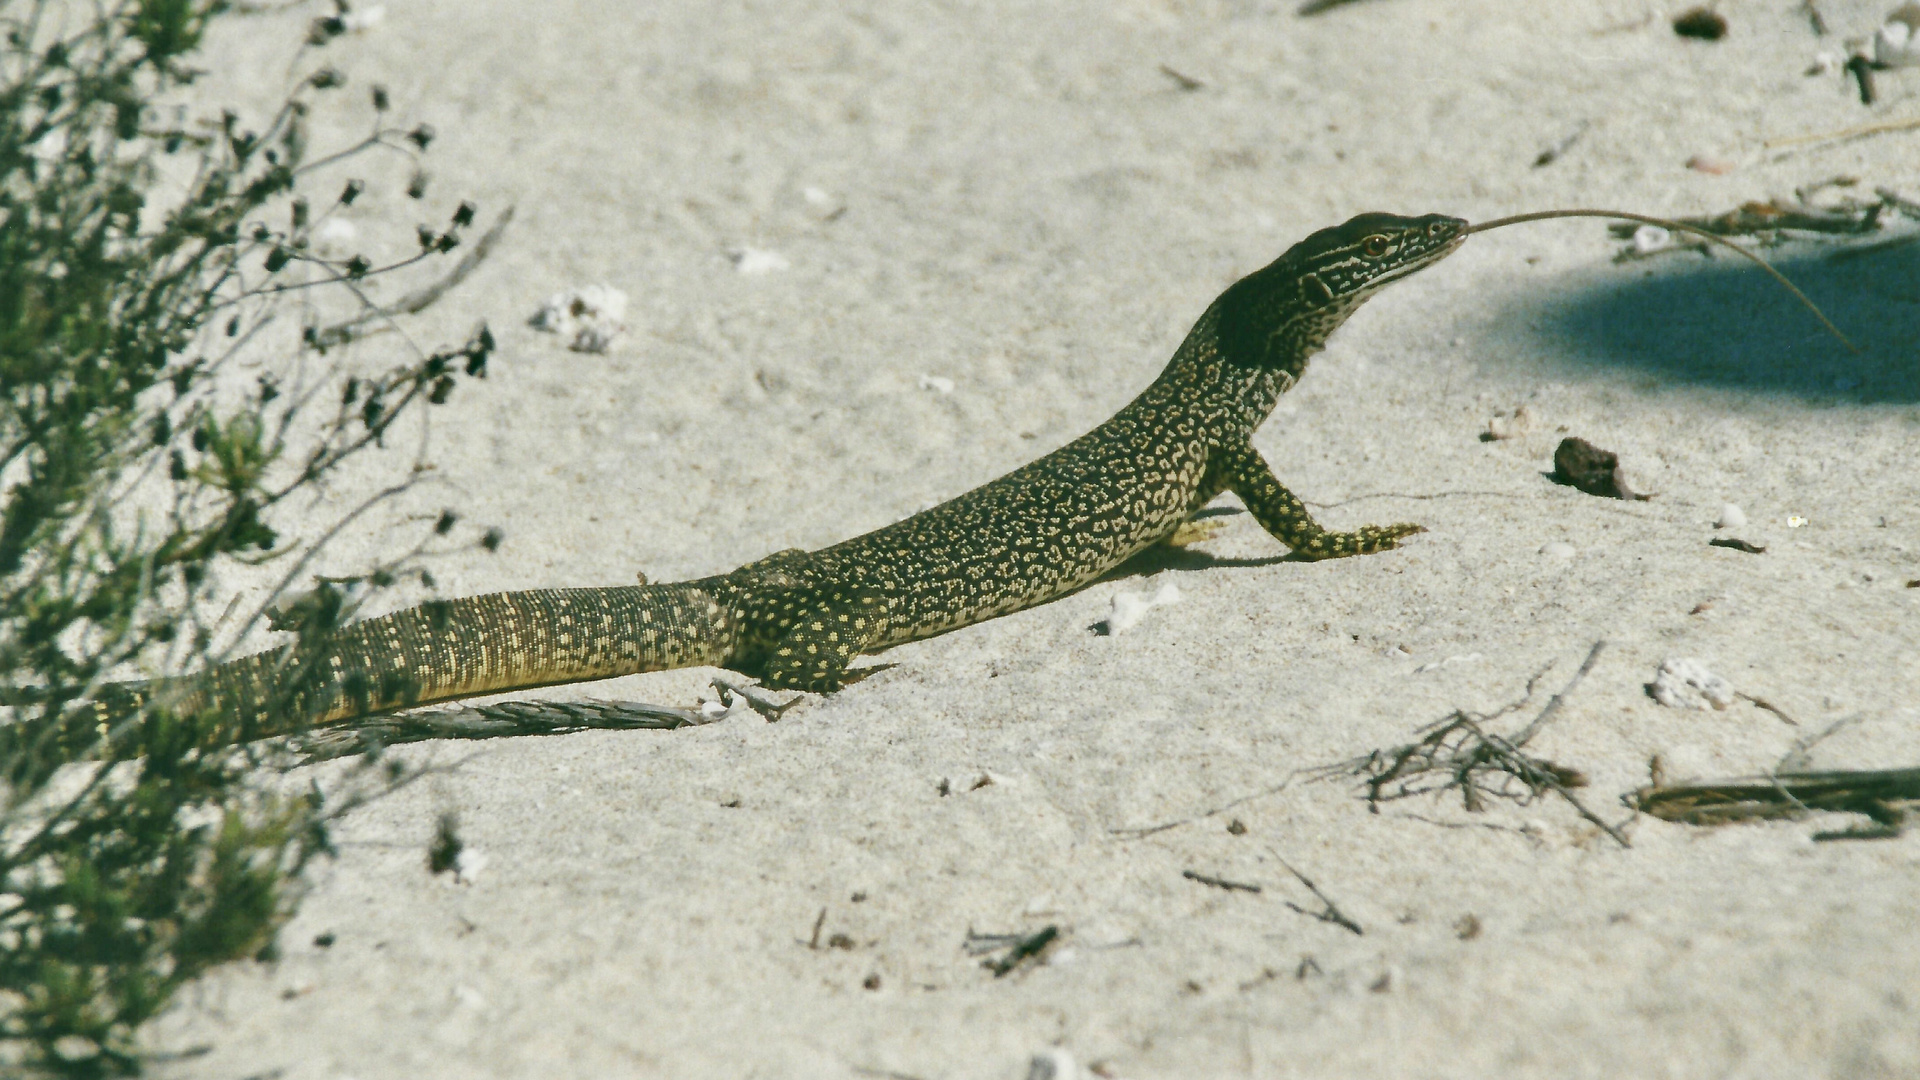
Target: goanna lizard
<point x="797" y="619"/>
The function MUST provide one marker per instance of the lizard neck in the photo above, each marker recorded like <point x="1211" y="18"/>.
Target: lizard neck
<point x="1231" y="397"/>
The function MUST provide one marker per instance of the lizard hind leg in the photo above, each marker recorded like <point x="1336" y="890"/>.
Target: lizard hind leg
<point x="819" y="632"/>
<point x="1284" y="516"/>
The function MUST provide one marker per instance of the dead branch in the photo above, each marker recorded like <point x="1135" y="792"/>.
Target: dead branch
<point x="1885" y="796"/>
<point x="1460" y="753"/>
<point x="508" y="718"/>
<point x="1329" y="911"/>
<point x="420" y="299"/>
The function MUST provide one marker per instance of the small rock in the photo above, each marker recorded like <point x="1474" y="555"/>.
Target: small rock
<point x="588" y="318"/>
<point x="822" y="205"/>
<point x="1687" y="684"/>
<point x="1712" y="166"/>
<point x="937" y="383"/>
<point x="753" y="261"/>
<point x="1053" y="1064"/>
<point x="1648" y="239"/>
<point x="1558" y="549"/>
<point x="468" y="864"/>
<point x="1513" y="426"/>
<point x="361" y="20"/>
<point x="1895" y="44"/>
<point x="334" y="236"/>
<point x="1700" y="23"/>
<point x="1731" y="517"/>
<point x="1580" y="464"/>
<point x="1130" y="607"/>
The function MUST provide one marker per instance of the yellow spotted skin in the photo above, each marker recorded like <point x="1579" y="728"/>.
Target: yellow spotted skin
<point x="797" y="619"/>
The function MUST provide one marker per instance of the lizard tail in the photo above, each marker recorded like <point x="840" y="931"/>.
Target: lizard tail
<point x="448" y="649"/>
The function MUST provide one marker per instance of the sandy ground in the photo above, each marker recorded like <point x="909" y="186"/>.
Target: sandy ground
<point x="1018" y="199"/>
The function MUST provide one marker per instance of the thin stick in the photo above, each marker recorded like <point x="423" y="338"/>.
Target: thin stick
<point x="1844" y="133"/>
<point x="1332" y="914"/>
<point x="1593" y="655"/>
<point x="1678" y="226"/>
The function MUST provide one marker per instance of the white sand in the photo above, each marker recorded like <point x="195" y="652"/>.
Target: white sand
<point x="1035" y="212"/>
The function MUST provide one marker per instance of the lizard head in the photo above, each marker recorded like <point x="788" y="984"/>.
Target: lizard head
<point x="1281" y="315"/>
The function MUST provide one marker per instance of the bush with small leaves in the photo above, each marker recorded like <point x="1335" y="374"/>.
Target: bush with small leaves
<point x="138" y="461"/>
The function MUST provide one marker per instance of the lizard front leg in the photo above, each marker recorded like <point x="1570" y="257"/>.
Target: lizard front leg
<point x="1277" y="510"/>
<point x="818" y="632"/>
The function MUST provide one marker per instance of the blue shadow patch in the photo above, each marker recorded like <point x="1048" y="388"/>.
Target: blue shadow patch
<point x="1724" y="323"/>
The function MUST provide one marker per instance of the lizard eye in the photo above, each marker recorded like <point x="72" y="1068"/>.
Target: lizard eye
<point x="1375" y="246"/>
<point x="1434" y="230"/>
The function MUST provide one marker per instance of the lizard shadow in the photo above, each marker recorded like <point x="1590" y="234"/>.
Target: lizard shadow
<point x="1727" y="325"/>
<point x="1161" y="557"/>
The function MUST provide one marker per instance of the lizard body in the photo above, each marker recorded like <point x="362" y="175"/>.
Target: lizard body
<point x="798" y="618"/>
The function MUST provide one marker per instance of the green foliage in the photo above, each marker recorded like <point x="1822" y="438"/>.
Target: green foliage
<point x="138" y="847"/>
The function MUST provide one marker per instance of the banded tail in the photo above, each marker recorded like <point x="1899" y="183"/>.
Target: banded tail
<point x="450" y="649"/>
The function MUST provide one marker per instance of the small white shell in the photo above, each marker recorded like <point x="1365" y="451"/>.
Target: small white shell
<point x="334" y="236"/>
<point x="589" y="318"/>
<point x="1894" y="44"/>
<point x="1131" y="607"/>
<point x="754" y="261"/>
<point x="365" y="18"/>
<point x="1685" y="683"/>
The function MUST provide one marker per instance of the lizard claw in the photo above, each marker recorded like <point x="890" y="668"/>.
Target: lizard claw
<point x="1363" y="541"/>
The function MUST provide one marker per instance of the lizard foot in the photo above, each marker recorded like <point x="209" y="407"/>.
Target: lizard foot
<point x="1362" y="541"/>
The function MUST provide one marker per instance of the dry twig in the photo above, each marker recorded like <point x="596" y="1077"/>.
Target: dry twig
<point x="508" y="718"/>
<point x="1459" y="753"/>
<point x="1329" y="911"/>
<point x="1884" y="795"/>
<point x="1019" y="948"/>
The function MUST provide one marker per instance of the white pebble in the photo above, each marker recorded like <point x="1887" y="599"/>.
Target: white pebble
<point x="1558" y="549"/>
<point x="1055" y="1064"/>
<point x="1648" y="239"/>
<point x="1687" y="684"/>
<point x="1795" y="521"/>
<point x="334" y="236"/>
<point x="588" y="318"/>
<point x="1894" y="44"/>
<point x="936" y="383"/>
<point x="365" y="18"/>
<point x="1511" y="427"/>
<point x="754" y="261"/>
<point x="1130" y="607"/>
<point x="822" y="205"/>
<point x="468" y="864"/>
<point x="1731" y="517"/>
